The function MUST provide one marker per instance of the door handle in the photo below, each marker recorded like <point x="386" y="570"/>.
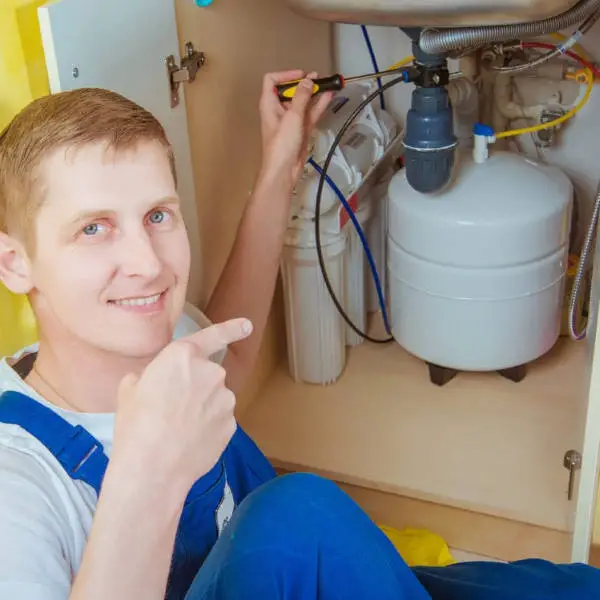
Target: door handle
<point x="572" y="462"/>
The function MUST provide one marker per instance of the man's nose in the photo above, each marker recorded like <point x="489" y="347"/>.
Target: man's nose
<point x="138" y="256"/>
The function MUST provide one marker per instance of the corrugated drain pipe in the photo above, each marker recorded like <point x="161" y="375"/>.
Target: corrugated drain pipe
<point x="436" y="42"/>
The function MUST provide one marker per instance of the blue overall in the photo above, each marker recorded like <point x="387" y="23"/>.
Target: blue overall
<point x="296" y="537"/>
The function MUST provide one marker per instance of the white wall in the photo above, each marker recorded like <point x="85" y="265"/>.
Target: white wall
<point x="578" y="149"/>
<point x="390" y="45"/>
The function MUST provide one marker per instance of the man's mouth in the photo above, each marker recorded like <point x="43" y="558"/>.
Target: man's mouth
<point x="139" y="301"/>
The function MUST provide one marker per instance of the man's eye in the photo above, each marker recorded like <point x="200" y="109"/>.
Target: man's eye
<point x="157" y="217"/>
<point x="91" y="229"/>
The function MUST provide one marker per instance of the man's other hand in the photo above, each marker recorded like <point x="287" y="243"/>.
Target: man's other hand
<point x="286" y="127"/>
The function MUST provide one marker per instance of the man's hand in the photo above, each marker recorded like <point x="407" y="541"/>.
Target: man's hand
<point x="286" y="127"/>
<point x="172" y="424"/>
<point x="175" y="420"/>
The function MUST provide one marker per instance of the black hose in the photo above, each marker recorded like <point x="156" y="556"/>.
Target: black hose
<point x="322" y="181"/>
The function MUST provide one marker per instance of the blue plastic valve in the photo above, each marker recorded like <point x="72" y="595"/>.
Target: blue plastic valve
<point x="481" y="129"/>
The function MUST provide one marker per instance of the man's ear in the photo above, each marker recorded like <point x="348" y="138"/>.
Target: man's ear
<point x="15" y="268"/>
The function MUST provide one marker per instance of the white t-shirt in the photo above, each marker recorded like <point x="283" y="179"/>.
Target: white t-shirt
<point x="45" y="516"/>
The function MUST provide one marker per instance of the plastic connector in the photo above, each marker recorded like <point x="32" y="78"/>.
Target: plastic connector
<point x="579" y="75"/>
<point x="429" y="141"/>
<point x="483" y="136"/>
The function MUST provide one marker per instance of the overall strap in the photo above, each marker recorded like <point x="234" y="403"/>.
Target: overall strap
<point x="80" y="454"/>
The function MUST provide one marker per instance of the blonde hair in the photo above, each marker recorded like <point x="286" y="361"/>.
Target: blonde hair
<point x="63" y="121"/>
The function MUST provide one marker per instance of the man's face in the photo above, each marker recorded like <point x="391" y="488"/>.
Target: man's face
<point x="112" y="256"/>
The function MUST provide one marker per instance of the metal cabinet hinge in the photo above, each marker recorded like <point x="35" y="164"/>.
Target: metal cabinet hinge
<point x="572" y="462"/>
<point x="191" y="62"/>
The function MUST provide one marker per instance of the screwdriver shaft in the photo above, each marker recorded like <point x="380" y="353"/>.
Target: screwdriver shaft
<point x="374" y="75"/>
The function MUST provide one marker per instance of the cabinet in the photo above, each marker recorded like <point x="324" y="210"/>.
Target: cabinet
<point x="480" y="461"/>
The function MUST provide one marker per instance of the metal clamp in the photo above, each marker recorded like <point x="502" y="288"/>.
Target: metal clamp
<point x="191" y="63"/>
<point x="545" y="138"/>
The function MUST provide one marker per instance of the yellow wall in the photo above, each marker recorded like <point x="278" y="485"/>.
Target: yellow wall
<point x="22" y="78"/>
<point x="22" y="68"/>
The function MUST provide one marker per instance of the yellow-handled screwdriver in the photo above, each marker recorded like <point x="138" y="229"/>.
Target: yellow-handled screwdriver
<point x="333" y="83"/>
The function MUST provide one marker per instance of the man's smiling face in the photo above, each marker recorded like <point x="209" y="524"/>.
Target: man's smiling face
<point x="112" y="257"/>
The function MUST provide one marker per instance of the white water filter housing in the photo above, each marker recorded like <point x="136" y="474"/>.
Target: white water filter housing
<point x="316" y="333"/>
<point x="477" y="271"/>
<point x="377" y="231"/>
<point x="356" y="273"/>
<point x="370" y="134"/>
<point x="314" y="327"/>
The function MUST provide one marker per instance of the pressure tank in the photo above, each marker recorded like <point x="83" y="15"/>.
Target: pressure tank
<point x="477" y="271"/>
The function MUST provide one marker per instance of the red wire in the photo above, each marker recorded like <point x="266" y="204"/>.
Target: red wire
<point x="570" y="53"/>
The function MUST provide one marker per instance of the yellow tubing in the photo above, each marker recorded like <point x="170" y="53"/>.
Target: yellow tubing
<point x="504" y="134"/>
<point x="401" y="63"/>
<point x="590" y="86"/>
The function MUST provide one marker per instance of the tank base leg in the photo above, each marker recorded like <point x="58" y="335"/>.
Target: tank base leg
<point x="514" y="374"/>
<point x="440" y="375"/>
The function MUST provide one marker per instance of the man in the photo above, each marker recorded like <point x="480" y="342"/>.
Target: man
<point x="187" y="506"/>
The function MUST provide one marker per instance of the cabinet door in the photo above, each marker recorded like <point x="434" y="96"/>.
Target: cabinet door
<point x="123" y="46"/>
<point x="587" y="509"/>
<point x="243" y="40"/>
